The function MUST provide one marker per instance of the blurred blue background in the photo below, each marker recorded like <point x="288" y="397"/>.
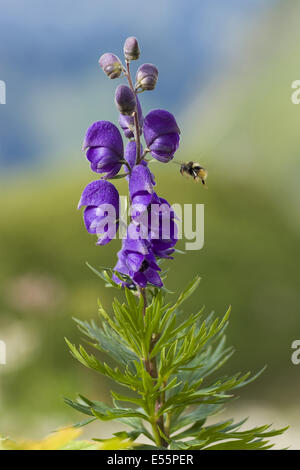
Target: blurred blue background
<point x="49" y="54"/>
<point x="225" y="71"/>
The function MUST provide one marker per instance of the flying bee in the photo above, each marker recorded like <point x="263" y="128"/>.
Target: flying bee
<point x="193" y="170"/>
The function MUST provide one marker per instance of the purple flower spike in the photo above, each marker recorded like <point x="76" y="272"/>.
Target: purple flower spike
<point x="105" y="148"/>
<point x="101" y="214"/>
<point x="127" y="122"/>
<point x="161" y="134"/>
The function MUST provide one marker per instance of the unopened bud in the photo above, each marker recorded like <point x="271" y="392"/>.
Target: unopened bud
<point x="111" y="65"/>
<point x="146" y="77"/>
<point x="125" y="100"/>
<point x="131" y="49"/>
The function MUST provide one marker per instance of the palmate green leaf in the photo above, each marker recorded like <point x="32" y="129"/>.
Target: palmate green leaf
<point x="137" y="425"/>
<point x="248" y="439"/>
<point x="80" y="407"/>
<point x="200" y="413"/>
<point x="190" y="348"/>
<point x="165" y="318"/>
<point x="126" y="324"/>
<point x="137" y="401"/>
<point x="192" y="431"/>
<point x="84" y="405"/>
<point x="104" y="275"/>
<point x="122" y="327"/>
<point x="81" y="424"/>
<point x="119" y="413"/>
<point x="251" y="379"/>
<point x="132" y="435"/>
<point x="240" y="445"/>
<point x="124" y="377"/>
<point x="143" y="447"/>
<point x="107" y="341"/>
<point x="172" y="332"/>
<point x="104" y="412"/>
<point x="188" y="291"/>
<point x="186" y="445"/>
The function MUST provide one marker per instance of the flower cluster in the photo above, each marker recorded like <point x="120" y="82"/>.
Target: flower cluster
<point x="152" y="231"/>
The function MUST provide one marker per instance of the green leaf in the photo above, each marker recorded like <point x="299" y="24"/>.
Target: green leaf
<point x="118" y="413"/>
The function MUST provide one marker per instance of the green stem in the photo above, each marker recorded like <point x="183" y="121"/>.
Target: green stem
<point x="157" y="423"/>
<point x="156" y="434"/>
<point x="135" y="117"/>
<point x="168" y="424"/>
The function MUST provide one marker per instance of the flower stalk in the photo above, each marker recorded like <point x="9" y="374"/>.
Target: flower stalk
<point x="157" y="422"/>
<point x="135" y="117"/>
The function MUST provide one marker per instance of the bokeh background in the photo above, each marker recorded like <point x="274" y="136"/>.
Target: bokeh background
<point x="226" y="70"/>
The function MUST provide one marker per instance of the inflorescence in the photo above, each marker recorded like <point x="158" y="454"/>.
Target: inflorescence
<point x="152" y="232"/>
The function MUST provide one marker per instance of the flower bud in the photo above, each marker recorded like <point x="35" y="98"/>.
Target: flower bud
<point x="125" y="100"/>
<point x="131" y="49"/>
<point x="111" y="65"/>
<point x="127" y="122"/>
<point x="146" y="77"/>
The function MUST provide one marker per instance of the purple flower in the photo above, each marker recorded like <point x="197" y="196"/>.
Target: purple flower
<point x="163" y="233"/>
<point x="130" y="157"/>
<point x="127" y="122"/>
<point x="125" y="100"/>
<point x="153" y="217"/>
<point x="141" y="189"/>
<point x="105" y="148"/>
<point x="161" y="134"/>
<point x="101" y="214"/>
<point x="137" y="261"/>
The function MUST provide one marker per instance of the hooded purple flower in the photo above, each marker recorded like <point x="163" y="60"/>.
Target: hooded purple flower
<point x="101" y="214"/>
<point x="163" y="233"/>
<point x="153" y="215"/>
<point x="105" y="148"/>
<point x="127" y="122"/>
<point x="137" y="261"/>
<point x="130" y="157"/>
<point x="141" y="189"/>
<point x="161" y="134"/>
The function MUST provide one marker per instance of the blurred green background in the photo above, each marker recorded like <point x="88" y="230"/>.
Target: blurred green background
<point x="237" y="120"/>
